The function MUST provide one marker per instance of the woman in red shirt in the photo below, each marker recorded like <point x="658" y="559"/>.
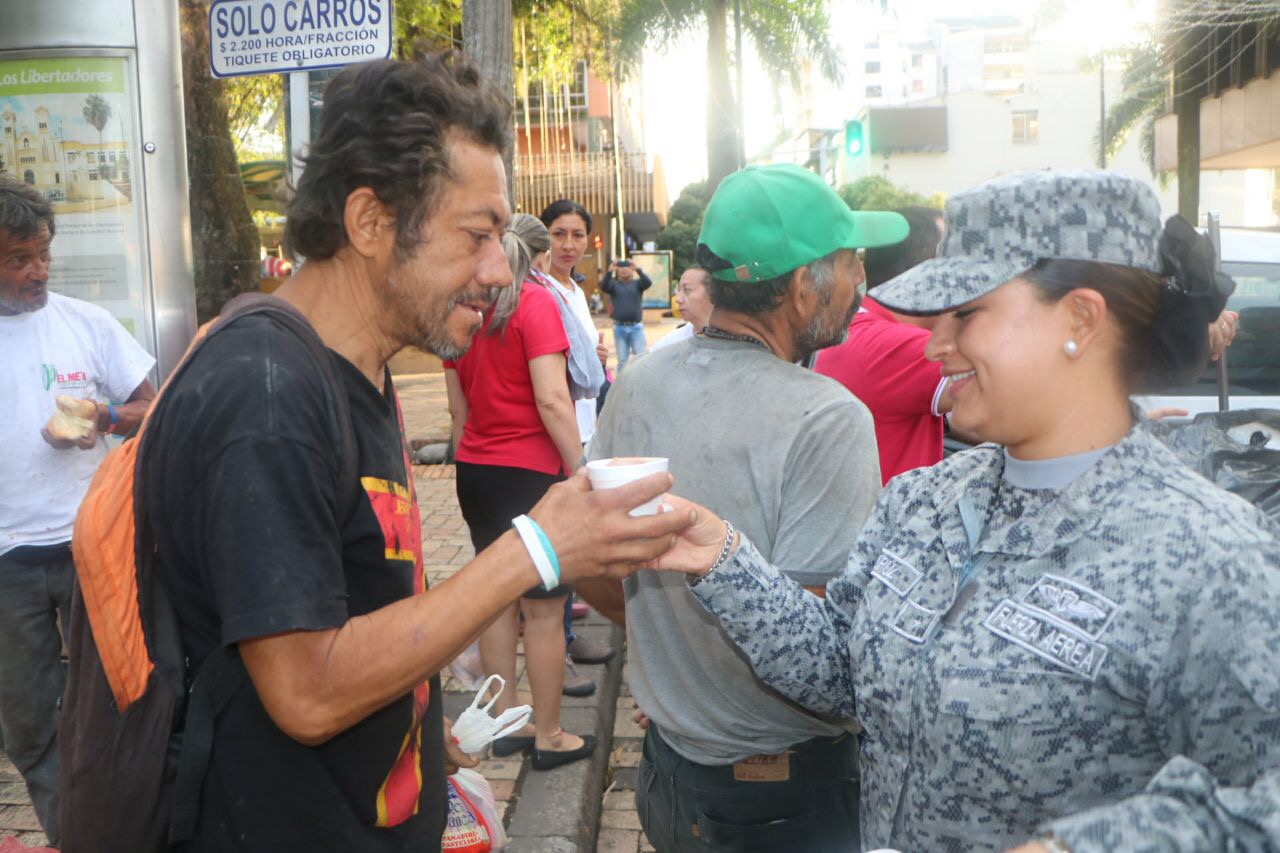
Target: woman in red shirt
<point x="514" y="435"/>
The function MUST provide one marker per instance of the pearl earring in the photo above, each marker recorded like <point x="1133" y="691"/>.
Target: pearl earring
<point x="1071" y="347"/>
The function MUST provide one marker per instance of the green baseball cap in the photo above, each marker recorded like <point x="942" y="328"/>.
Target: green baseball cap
<point x="769" y="220"/>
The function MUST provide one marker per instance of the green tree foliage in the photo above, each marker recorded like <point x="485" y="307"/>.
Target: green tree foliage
<point x="781" y="30"/>
<point x="878" y="193"/>
<point x="426" y="25"/>
<point x="684" y="221"/>
<point x="255" y="111"/>
<point x="556" y="34"/>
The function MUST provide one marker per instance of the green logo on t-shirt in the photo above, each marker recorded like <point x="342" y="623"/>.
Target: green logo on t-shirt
<point x="50" y="374"/>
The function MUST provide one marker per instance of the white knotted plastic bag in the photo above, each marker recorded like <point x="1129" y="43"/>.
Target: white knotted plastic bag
<point x="475" y="791"/>
<point x="475" y="729"/>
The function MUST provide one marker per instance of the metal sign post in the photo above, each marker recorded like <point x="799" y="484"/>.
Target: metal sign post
<point x="299" y="122"/>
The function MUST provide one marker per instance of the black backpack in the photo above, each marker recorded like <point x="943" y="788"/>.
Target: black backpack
<point x="130" y="782"/>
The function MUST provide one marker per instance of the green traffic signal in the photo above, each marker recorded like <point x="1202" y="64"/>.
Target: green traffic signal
<point x="853" y="142"/>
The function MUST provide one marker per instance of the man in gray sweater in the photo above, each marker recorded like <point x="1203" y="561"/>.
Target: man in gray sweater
<point x="789" y="454"/>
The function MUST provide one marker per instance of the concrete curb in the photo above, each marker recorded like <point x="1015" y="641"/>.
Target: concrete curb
<point x="559" y="811"/>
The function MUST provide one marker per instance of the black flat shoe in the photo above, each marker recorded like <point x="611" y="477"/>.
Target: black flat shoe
<point x="575" y="683"/>
<point x="549" y="759"/>
<point x="510" y="745"/>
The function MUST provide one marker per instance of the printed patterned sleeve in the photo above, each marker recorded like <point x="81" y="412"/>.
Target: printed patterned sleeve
<point x="797" y="643"/>
<point x="1216" y="709"/>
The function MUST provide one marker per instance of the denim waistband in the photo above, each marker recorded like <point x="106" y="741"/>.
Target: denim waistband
<point x="627" y="322"/>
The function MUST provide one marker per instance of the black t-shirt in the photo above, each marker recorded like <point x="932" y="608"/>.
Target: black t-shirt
<point x="243" y="470"/>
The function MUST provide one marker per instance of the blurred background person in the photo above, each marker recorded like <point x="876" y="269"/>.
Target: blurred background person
<point x="883" y="364"/>
<point x="514" y="436"/>
<point x="569" y="225"/>
<point x="625" y="283"/>
<point x="885" y="263"/>
<point x="694" y="300"/>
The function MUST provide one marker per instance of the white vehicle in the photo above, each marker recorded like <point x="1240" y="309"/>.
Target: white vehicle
<point x="1252" y="258"/>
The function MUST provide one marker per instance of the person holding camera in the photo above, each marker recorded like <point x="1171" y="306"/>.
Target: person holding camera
<point x="625" y="283"/>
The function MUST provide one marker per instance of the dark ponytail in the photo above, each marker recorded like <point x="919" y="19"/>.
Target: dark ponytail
<point x="1163" y="319"/>
<point x="1193" y="298"/>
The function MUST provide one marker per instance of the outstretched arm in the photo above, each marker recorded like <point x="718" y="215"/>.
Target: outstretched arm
<point x="797" y="643"/>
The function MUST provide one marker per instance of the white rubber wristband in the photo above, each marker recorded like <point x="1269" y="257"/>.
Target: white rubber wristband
<point x="524" y="526"/>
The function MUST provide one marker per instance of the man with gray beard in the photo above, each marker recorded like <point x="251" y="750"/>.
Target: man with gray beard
<point x="727" y="763"/>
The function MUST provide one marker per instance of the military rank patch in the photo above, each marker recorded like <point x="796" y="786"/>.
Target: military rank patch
<point x="896" y="573"/>
<point x="1072" y="603"/>
<point x="914" y="621"/>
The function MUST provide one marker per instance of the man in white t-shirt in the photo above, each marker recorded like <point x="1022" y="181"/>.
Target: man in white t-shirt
<point x="50" y="346"/>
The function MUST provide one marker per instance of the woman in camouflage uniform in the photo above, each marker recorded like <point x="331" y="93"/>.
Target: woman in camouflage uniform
<point x="1064" y="638"/>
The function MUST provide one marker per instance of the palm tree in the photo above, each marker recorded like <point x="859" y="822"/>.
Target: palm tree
<point x="1142" y="100"/>
<point x="780" y="30"/>
<point x="97" y="112"/>
<point x="1180" y="67"/>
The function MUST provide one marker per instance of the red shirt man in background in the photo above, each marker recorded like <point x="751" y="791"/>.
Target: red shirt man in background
<point x="882" y="362"/>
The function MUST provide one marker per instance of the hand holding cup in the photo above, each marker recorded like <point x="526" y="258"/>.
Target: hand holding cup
<point x="594" y="532"/>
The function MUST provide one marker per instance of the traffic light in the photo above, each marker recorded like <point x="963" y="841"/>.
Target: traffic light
<point x="853" y="141"/>
<point x="598" y="242"/>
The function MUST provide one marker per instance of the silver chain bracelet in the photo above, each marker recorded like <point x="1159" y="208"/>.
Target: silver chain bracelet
<point x="1053" y="844"/>
<point x="693" y="579"/>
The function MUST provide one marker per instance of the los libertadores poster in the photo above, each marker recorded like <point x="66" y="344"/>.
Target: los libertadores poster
<point x="67" y="129"/>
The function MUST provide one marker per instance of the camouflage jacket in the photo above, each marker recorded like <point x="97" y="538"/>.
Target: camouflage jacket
<point x="1100" y="662"/>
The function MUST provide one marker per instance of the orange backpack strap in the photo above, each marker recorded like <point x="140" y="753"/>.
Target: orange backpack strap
<point x="113" y="546"/>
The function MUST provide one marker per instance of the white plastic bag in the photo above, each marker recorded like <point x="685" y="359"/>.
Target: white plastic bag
<point x="474" y="729"/>
<point x="466" y="667"/>
<point x="464" y="830"/>
<point x="474" y="791"/>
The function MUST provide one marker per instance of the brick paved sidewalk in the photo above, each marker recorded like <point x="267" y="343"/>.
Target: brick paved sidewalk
<point x="619" y="823"/>
<point x="17" y="817"/>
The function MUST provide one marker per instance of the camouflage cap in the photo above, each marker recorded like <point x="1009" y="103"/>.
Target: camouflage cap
<point x="1000" y="229"/>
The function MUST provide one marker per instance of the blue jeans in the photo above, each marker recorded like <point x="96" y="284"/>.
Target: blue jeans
<point x="628" y="339"/>
<point x="35" y="586"/>
<point x="691" y="808"/>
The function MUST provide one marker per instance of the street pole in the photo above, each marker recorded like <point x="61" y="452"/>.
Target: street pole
<point x="741" y="95"/>
<point x="299" y="122"/>
<point x="620" y="247"/>
<point x="1102" y="109"/>
<point x="1214" y="228"/>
